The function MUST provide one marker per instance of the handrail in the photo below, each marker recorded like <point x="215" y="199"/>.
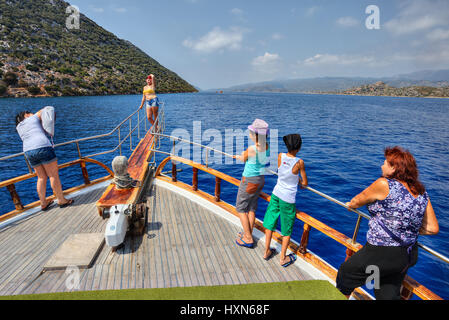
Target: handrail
<point x="410" y="285"/>
<point x="358" y="212"/>
<point x="10" y="183"/>
<point x="117" y="128"/>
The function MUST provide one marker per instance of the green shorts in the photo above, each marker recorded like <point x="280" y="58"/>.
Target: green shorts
<point x="287" y="211"/>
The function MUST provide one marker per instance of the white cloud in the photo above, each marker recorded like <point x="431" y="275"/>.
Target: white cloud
<point x="311" y="11"/>
<point x="438" y="35"/>
<point x="217" y="39"/>
<point x="120" y="10"/>
<point x="348" y="22"/>
<point x="419" y="15"/>
<point x="268" y="64"/>
<point x="277" y="36"/>
<point x="99" y="10"/>
<point x="327" y="59"/>
<point x="267" y="58"/>
<point x="237" y="11"/>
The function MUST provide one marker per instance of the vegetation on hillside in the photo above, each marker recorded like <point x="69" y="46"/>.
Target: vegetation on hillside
<point x="38" y="51"/>
<point x="382" y="89"/>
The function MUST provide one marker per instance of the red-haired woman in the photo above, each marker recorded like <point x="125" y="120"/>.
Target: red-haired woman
<point x="152" y="102"/>
<point x="400" y="210"/>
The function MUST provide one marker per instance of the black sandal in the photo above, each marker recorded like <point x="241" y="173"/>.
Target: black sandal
<point x="47" y="206"/>
<point x="68" y="203"/>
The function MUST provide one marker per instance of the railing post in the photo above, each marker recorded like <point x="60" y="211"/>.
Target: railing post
<point x="138" y="124"/>
<point x="28" y="164"/>
<point x="217" y="189"/>
<point x="195" y="179"/>
<point x="78" y="148"/>
<point x="406" y="294"/>
<point x="304" y="239"/>
<point x="119" y="142"/>
<point x="356" y="230"/>
<point x="130" y="136"/>
<point x="85" y="174"/>
<point x="15" y="197"/>
<point x="349" y="253"/>
<point x="173" y="172"/>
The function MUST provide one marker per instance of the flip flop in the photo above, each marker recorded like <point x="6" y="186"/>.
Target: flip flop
<point x="68" y="203"/>
<point x="292" y="259"/>
<point x="48" y="206"/>
<point x="247" y="245"/>
<point x="272" y="252"/>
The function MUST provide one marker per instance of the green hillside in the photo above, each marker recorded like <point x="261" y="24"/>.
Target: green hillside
<point x="40" y="56"/>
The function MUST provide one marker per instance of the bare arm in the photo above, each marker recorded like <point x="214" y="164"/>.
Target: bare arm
<point x="300" y="168"/>
<point x="429" y="223"/>
<point x="246" y="154"/>
<point x="143" y="100"/>
<point x="378" y="190"/>
<point x="39" y="114"/>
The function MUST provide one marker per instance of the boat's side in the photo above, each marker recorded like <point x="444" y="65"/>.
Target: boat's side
<point x="410" y="286"/>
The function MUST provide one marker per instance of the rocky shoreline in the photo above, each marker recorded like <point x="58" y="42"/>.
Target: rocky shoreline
<point x="382" y="89"/>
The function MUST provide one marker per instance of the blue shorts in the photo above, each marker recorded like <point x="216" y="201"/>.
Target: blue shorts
<point x="41" y="156"/>
<point x="153" y="103"/>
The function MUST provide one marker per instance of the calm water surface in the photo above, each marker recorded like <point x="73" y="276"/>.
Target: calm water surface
<point x="343" y="142"/>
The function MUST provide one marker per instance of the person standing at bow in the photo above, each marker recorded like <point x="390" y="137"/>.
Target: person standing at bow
<point x="150" y="99"/>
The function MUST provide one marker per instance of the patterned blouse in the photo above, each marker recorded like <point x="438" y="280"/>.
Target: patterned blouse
<point x="400" y="212"/>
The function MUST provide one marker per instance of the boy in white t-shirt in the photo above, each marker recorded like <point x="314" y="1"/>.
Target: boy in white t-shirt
<point x="283" y="198"/>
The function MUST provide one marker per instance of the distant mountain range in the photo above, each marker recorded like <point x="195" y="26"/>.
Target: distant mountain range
<point x="427" y="78"/>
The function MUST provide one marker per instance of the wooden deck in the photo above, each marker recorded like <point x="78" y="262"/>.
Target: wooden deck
<point x="185" y="244"/>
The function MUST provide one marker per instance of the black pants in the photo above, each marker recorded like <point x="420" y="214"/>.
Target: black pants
<point x="392" y="263"/>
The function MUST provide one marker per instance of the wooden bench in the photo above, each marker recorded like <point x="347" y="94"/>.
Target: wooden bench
<point x="138" y="170"/>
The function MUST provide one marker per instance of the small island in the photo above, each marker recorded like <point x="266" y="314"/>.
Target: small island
<point x="382" y="89"/>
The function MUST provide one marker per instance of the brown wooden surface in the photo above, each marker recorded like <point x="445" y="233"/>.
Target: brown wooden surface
<point x="137" y="169"/>
<point x="195" y="179"/>
<point x="308" y="257"/>
<point x="52" y="197"/>
<point x="304" y="239"/>
<point x="15" y="197"/>
<point x="61" y="166"/>
<point x="409" y="283"/>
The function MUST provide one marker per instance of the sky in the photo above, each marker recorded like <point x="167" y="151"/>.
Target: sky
<point x="217" y="44"/>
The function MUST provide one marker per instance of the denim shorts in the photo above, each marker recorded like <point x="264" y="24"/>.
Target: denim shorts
<point x="153" y="103"/>
<point x="41" y="156"/>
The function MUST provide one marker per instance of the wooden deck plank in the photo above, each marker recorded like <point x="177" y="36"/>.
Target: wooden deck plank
<point x="182" y="267"/>
<point x="198" y="255"/>
<point x="193" y="267"/>
<point x="168" y="267"/>
<point x="39" y="250"/>
<point x="184" y="244"/>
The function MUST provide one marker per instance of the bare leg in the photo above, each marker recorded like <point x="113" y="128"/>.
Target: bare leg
<point x="252" y="220"/>
<point x="268" y="235"/>
<point x="52" y="171"/>
<point x="150" y="116"/>
<point x="285" y="242"/>
<point x="155" y="111"/>
<point x="42" y="185"/>
<point x="247" y="235"/>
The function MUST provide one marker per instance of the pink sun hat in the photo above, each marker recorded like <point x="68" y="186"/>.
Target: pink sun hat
<point x="259" y="126"/>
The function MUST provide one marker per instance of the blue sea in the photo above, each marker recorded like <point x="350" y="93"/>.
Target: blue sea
<point x="343" y="142"/>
